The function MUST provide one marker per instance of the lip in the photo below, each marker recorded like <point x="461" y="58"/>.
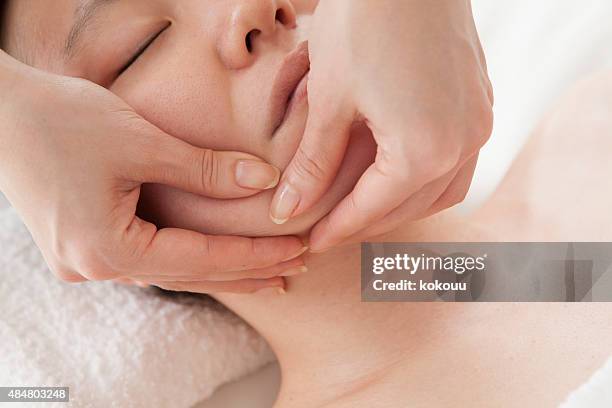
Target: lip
<point x="289" y="85"/>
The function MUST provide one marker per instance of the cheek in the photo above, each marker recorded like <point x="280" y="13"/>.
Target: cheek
<point x="249" y="216"/>
<point x="194" y="106"/>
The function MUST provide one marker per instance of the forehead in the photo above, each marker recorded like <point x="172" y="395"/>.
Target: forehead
<point x="35" y="31"/>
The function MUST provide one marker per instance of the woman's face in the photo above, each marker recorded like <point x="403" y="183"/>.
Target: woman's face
<point x="216" y="73"/>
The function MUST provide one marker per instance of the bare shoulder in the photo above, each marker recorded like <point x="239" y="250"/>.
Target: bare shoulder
<point x="558" y="188"/>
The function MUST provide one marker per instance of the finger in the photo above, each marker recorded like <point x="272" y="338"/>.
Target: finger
<point x="437" y="196"/>
<point x="386" y="184"/>
<point x="70" y="276"/>
<point x="374" y="196"/>
<point x="64" y="273"/>
<point x="457" y="189"/>
<point x="381" y="189"/>
<point x="176" y="252"/>
<point x="130" y="282"/>
<point x="241" y="286"/>
<point x="164" y="159"/>
<point x="415" y="207"/>
<point x="124" y="281"/>
<point x="316" y="162"/>
<point x="285" y="269"/>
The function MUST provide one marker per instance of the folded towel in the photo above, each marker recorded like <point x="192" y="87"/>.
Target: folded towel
<point x="113" y="345"/>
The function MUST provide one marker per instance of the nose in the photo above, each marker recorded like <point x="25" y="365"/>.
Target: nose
<point x="250" y="23"/>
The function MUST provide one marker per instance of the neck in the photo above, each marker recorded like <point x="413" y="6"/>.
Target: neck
<point x="333" y="348"/>
<point x="328" y="297"/>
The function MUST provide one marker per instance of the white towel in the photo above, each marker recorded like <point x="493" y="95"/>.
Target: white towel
<point x="114" y="346"/>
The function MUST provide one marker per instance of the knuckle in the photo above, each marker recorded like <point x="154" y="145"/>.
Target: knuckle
<point x="455" y="193"/>
<point x="207" y="249"/>
<point x="64" y="274"/>
<point x="91" y="264"/>
<point x="353" y="207"/>
<point x="306" y="167"/>
<point x="99" y="258"/>
<point x="393" y="165"/>
<point x="483" y="127"/>
<point x="59" y="258"/>
<point x="209" y="167"/>
<point x="73" y="279"/>
<point x="443" y="156"/>
<point x="439" y="152"/>
<point x="456" y="198"/>
<point x="59" y="249"/>
<point x="126" y="251"/>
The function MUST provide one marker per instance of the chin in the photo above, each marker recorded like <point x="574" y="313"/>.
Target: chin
<point x="168" y="207"/>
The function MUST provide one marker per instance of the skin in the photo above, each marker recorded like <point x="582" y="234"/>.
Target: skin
<point x="414" y="71"/>
<point x="462" y="349"/>
<point x="74" y="158"/>
<point x="459" y="354"/>
<point x="418" y="190"/>
<point x="219" y="75"/>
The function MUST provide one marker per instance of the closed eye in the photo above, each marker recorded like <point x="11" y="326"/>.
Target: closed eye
<point x="142" y="49"/>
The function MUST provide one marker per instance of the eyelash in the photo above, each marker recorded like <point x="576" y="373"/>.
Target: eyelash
<point x="141" y="50"/>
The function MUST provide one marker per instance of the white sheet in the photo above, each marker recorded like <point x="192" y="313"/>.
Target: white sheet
<point x="535" y="51"/>
<point x="595" y="393"/>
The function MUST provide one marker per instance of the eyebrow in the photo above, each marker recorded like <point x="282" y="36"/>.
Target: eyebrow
<point x="84" y="14"/>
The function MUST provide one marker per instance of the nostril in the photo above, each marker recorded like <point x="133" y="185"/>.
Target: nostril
<point x="250" y="37"/>
<point x="286" y="17"/>
<point x="281" y="16"/>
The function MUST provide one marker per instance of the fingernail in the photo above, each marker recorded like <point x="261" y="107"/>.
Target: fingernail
<point x="294" y="271"/>
<point x="256" y="175"/>
<point x="284" y="204"/>
<point x="300" y="252"/>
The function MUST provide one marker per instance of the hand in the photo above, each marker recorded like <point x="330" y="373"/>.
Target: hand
<point x="73" y="158"/>
<point x="415" y="72"/>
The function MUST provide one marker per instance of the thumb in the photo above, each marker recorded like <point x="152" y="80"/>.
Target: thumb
<point x="170" y="161"/>
<point x="315" y="164"/>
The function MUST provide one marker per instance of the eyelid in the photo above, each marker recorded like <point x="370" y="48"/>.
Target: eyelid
<point x="142" y="48"/>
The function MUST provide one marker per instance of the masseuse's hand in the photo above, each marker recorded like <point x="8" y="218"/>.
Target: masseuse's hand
<point x="415" y="72"/>
<point x="73" y="158"/>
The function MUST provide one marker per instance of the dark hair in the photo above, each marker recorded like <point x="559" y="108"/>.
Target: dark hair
<point x="2" y="7"/>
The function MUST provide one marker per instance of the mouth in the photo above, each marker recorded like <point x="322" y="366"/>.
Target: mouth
<point x="289" y="86"/>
